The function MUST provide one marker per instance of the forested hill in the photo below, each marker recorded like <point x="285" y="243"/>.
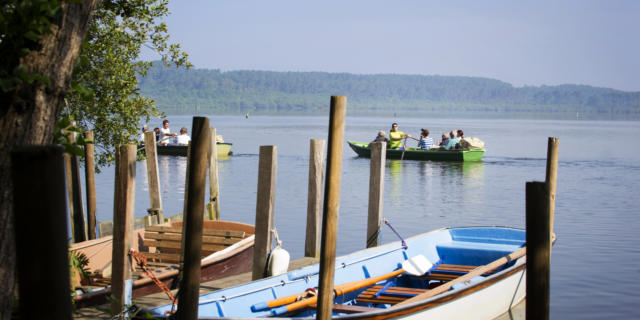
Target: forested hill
<point x="202" y="91"/>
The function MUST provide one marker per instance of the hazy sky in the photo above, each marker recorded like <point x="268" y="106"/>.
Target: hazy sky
<point x="520" y="42"/>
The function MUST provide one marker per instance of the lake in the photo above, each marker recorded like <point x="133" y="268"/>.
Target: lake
<point x="596" y="216"/>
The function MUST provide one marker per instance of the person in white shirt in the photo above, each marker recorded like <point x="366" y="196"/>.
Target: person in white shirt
<point x="145" y="128"/>
<point x="165" y="133"/>
<point x="183" y="139"/>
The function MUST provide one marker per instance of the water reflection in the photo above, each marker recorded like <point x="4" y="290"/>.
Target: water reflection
<point x="172" y="172"/>
<point x="395" y="172"/>
<point x="433" y="180"/>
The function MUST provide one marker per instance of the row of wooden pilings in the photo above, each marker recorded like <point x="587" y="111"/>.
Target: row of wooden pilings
<point x="40" y="171"/>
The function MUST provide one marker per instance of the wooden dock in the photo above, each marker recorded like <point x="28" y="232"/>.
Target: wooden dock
<point x="159" y="299"/>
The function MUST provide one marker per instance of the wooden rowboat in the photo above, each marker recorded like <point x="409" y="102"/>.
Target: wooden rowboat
<point x="227" y="250"/>
<point x="224" y="149"/>
<point x="475" y="272"/>
<point x="363" y="150"/>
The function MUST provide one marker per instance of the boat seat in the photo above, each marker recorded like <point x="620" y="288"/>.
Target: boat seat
<point x="448" y="272"/>
<point x="379" y="294"/>
<point x="346" y="308"/>
<point x="165" y="242"/>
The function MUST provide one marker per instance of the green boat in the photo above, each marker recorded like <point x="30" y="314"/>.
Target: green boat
<point x="363" y="150"/>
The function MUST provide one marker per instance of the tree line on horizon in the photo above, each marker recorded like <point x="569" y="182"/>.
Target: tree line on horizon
<point x="206" y="91"/>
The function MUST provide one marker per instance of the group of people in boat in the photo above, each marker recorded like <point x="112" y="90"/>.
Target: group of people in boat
<point x="449" y="140"/>
<point x="165" y="137"/>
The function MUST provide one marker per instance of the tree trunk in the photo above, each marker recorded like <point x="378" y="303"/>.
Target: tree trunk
<point x="28" y="116"/>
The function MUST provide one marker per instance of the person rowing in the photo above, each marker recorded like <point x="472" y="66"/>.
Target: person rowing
<point x="165" y="132"/>
<point x="396" y="136"/>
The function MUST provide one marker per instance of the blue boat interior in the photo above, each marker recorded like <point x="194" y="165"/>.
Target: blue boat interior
<point x="453" y="252"/>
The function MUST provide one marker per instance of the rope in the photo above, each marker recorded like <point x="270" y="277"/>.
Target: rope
<point x="275" y="234"/>
<point x="404" y="244"/>
<point x="142" y="262"/>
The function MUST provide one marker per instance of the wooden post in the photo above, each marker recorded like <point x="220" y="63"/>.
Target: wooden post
<point x="123" y="211"/>
<point x="41" y="227"/>
<point x="213" y="207"/>
<point x="192" y="219"/>
<point x="376" y="191"/>
<point x="186" y="182"/>
<point x="331" y="206"/>
<point x="153" y="177"/>
<point x="69" y="186"/>
<point x="552" y="175"/>
<point x="90" y="182"/>
<point x="78" y="210"/>
<point x="314" y="199"/>
<point x="266" y="198"/>
<point x="538" y="251"/>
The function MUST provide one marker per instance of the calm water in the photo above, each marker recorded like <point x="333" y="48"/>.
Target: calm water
<point x="595" y="269"/>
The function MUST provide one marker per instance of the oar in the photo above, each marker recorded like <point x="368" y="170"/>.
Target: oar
<point x="472" y="274"/>
<point x="416" y="266"/>
<point x="404" y="147"/>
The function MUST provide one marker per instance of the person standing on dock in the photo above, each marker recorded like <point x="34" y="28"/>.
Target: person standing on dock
<point x="396" y="136"/>
<point x="165" y="133"/>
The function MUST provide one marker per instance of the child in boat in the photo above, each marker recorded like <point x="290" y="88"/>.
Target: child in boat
<point x="157" y="132"/>
<point x="381" y="137"/>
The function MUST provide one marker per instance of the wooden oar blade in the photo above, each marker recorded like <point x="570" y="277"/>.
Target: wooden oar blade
<point x="417" y="266"/>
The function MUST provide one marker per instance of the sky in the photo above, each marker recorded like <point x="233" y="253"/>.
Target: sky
<point x="521" y="42"/>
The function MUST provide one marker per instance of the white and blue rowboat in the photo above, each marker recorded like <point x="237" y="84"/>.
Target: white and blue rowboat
<point x="474" y="272"/>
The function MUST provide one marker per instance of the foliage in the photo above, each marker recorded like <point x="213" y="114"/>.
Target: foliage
<point x="104" y="95"/>
<point x="266" y="92"/>
<point x="78" y="263"/>
<point x="64" y="136"/>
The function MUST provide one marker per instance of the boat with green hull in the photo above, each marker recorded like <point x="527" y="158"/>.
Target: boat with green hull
<point x="363" y="150"/>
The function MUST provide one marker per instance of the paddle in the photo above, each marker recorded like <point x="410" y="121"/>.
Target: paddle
<point x="416" y="266"/>
<point x="404" y="147"/>
<point x="472" y="274"/>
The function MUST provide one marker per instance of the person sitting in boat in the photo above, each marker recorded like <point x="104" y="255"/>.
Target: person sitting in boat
<point x="183" y="139"/>
<point x="396" y="136"/>
<point x="165" y="133"/>
<point x="444" y="140"/>
<point x="453" y="140"/>
<point x="460" y="136"/>
<point x="145" y="128"/>
<point x="425" y="142"/>
<point x="157" y="132"/>
<point x="381" y="137"/>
